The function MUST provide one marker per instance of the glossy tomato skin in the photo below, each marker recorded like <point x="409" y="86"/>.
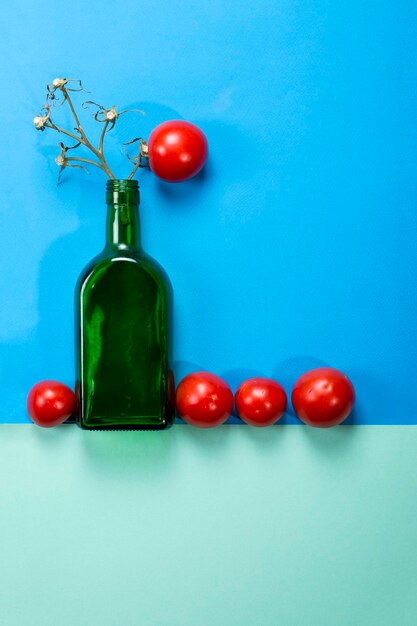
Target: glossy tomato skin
<point x="50" y="403"/>
<point x="204" y="400"/>
<point x="177" y="150"/>
<point x="260" y="401"/>
<point x="323" y="397"/>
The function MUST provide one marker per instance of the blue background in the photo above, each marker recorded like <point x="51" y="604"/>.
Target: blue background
<point x="295" y="247"/>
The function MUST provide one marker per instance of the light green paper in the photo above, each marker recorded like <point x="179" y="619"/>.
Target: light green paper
<point x="284" y="526"/>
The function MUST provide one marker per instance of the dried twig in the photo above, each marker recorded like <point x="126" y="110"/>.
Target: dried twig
<point x="58" y="93"/>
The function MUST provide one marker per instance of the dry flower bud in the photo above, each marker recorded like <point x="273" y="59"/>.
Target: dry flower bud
<point x="60" y="160"/>
<point x="59" y="82"/>
<point x="39" y="122"/>
<point x="111" y="114"/>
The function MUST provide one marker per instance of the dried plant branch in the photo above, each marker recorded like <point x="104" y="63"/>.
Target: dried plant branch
<point x="103" y="132"/>
<point x="58" y="93"/>
<point x="85" y="161"/>
<point x="73" y="111"/>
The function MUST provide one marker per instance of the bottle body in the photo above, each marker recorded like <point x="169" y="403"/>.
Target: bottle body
<point x="123" y="336"/>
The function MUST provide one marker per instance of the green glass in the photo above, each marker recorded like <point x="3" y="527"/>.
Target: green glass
<point x="123" y="328"/>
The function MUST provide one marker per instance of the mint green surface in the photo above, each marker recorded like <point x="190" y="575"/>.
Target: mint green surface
<point x="230" y="527"/>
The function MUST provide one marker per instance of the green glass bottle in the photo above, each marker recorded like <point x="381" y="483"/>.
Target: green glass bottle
<point x="123" y="328"/>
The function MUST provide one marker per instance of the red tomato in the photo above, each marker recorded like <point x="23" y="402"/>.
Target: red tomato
<point x="177" y="150"/>
<point x="50" y="403"/>
<point x="323" y="397"/>
<point x="204" y="400"/>
<point x="260" y="401"/>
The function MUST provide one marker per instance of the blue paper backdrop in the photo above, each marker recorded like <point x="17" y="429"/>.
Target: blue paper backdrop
<point x="296" y="246"/>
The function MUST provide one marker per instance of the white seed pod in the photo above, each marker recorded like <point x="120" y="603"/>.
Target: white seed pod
<point x="60" y="160"/>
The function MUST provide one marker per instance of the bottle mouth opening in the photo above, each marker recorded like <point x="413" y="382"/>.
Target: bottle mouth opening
<point x="120" y="184"/>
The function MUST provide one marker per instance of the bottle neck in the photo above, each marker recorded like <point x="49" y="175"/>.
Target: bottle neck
<point x="123" y="229"/>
